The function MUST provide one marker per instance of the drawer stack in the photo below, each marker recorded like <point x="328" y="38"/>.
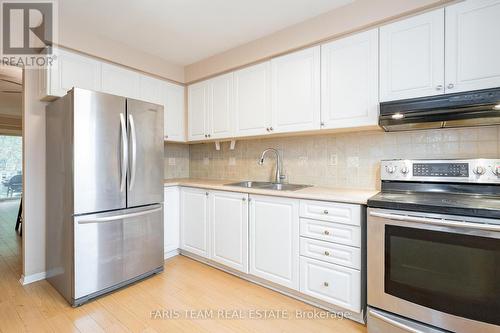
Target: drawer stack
<point x="330" y="252"/>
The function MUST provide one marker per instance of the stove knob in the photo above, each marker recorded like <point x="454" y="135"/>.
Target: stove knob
<point x="390" y="168"/>
<point x="405" y="170"/>
<point x="496" y="170"/>
<point x="479" y="170"/>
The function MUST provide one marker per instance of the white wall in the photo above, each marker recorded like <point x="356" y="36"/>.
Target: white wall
<point x="34" y="177"/>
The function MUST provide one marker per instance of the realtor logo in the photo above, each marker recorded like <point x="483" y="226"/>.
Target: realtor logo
<point x="27" y="28"/>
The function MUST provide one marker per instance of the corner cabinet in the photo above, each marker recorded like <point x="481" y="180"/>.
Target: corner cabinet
<point x="274" y="240"/>
<point x="412" y="57"/>
<point x="229" y="229"/>
<point x="349" y="87"/>
<point x="472" y="59"/>
<point x="194" y="221"/>
<point x="171" y="220"/>
<point x="295" y="91"/>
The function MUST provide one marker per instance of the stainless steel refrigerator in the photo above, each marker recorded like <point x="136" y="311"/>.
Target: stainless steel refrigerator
<point x="104" y="197"/>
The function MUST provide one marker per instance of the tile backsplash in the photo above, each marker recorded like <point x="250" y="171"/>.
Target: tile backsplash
<point x="176" y="160"/>
<point x="346" y="160"/>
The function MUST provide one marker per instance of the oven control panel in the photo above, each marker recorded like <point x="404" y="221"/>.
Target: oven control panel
<point x="464" y="171"/>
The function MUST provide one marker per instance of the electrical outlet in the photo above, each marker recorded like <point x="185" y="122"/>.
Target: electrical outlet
<point x="232" y="161"/>
<point x="353" y="162"/>
<point x="206" y="161"/>
<point x="171" y="161"/>
<point x="333" y="159"/>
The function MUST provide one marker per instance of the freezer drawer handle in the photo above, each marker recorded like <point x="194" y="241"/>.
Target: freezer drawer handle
<point x="119" y="217"/>
<point x="441" y="222"/>
<point x="124" y="153"/>
<point x="393" y="322"/>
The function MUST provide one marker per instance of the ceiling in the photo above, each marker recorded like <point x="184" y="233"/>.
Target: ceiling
<point x="186" y="31"/>
<point x="11" y="88"/>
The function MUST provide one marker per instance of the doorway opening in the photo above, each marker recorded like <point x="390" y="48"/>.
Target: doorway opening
<point x="11" y="168"/>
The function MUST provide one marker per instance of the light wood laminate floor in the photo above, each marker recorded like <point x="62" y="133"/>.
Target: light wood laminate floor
<point x="184" y="285"/>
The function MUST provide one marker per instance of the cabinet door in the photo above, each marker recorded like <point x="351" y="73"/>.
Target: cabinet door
<point x="274" y="240"/>
<point x="72" y="70"/>
<point x="194" y="221"/>
<point x="120" y="81"/>
<point x="472" y="45"/>
<point x="229" y="229"/>
<point x="252" y="94"/>
<point x="171" y="219"/>
<point x="295" y="92"/>
<point x="151" y="90"/>
<point x="349" y="73"/>
<point x="175" y="112"/>
<point x="221" y="107"/>
<point x="412" y="57"/>
<point x="197" y="111"/>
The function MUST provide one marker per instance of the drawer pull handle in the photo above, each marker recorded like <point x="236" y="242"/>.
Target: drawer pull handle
<point x="325" y="284"/>
<point x="326" y="232"/>
<point x="325" y="212"/>
<point x="327" y="253"/>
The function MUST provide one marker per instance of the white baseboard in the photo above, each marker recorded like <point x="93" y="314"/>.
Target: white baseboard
<point x="32" y="278"/>
<point x="170" y="254"/>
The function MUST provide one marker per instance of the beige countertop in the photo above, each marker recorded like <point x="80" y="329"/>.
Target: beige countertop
<point x="313" y="193"/>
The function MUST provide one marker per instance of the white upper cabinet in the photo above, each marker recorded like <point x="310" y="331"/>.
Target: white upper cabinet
<point x="349" y="86"/>
<point x="120" y="81"/>
<point x="295" y="91"/>
<point x="229" y="229"/>
<point x="472" y="45"/>
<point x="197" y="110"/>
<point x="70" y="70"/>
<point x="194" y="221"/>
<point x="220" y="107"/>
<point x="274" y="240"/>
<point x="174" y="117"/>
<point x="252" y="100"/>
<point x="412" y="57"/>
<point x="151" y="90"/>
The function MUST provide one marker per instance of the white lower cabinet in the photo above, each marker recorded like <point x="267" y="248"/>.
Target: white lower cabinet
<point x="334" y="284"/>
<point x="274" y="240"/>
<point x="277" y="240"/>
<point x="171" y="220"/>
<point x="229" y="229"/>
<point x="194" y="221"/>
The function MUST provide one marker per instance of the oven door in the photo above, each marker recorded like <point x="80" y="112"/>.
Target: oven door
<point x="440" y="270"/>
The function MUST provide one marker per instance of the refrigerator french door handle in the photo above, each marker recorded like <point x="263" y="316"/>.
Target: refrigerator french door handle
<point x="134" y="151"/>
<point x="124" y="153"/>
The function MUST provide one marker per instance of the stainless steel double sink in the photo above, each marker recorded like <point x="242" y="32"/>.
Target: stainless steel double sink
<point x="268" y="185"/>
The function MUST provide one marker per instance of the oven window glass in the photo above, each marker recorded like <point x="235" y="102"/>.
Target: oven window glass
<point x="449" y="272"/>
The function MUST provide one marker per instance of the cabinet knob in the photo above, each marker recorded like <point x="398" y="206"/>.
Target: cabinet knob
<point x="327" y="253"/>
<point x="325" y="212"/>
<point x="326" y="232"/>
<point x="326" y="284"/>
<point x="166" y="136"/>
<point x="206" y="193"/>
<point x="271" y="129"/>
<point x="439" y="87"/>
<point x="244" y="199"/>
<point x="451" y="86"/>
<point x="322" y="124"/>
<point x="267" y="129"/>
<point x="206" y="136"/>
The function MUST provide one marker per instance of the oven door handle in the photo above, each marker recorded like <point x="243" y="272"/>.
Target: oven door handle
<point x="392" y="322"/>
<point x="440" y="222"/>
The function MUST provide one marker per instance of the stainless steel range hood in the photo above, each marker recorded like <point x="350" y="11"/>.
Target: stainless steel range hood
<point x="471" y="108"/>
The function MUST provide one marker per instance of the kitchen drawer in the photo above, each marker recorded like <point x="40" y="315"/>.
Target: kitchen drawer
<point x="334" y="284"/>
<point x="331" y="232"/>
<point x="333" y="253"/>
<point x="331" y="211"/>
